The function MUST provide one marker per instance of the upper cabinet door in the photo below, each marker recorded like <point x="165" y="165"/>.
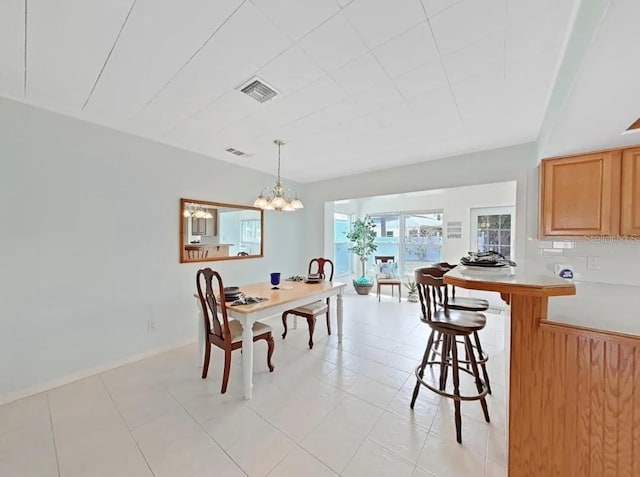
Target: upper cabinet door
<point x="581" y="195"/>
<point x="630" y="215"/>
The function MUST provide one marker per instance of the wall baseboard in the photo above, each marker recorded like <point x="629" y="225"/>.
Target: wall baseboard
<point x="39" y="388"/>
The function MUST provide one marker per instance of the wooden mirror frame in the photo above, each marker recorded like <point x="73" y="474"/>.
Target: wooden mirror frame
<point x="190" y="252"/>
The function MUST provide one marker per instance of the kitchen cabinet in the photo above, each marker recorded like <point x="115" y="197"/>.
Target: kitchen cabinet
<point x="207" y="227"/>
<point x="580" y="195"/>
<point x="198" y="226"/>
<point x="630" y="190"/>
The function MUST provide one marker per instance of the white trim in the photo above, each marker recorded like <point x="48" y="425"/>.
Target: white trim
<point x="38" y="388"/>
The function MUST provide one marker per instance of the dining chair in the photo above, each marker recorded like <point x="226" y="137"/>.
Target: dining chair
<point x="198" y="252"/>
<point x="452" y="325"/>
<point x="324" y="268"/>
<point x="225" y="334"/>
<point x="386" y="274"/>
<point x="243" y="254"/>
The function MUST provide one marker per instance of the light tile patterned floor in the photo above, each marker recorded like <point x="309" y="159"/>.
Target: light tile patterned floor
<point x="323" y="412"/>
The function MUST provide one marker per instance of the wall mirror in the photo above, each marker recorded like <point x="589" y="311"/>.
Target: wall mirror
<point x="216" y="231"/>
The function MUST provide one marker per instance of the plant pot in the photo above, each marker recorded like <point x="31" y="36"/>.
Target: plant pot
<point x="362" y="289"/>
<point x="412" y="297"/>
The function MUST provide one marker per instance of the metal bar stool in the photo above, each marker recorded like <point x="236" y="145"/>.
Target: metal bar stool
<point x="452" y="325"/>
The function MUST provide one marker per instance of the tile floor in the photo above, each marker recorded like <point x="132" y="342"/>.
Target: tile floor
<point x="322" y="412"/>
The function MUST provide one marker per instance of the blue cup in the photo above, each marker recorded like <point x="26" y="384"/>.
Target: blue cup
<point x="275" y="279"/>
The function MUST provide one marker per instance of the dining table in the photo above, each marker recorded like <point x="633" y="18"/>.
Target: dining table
<point x="287" y="295"/>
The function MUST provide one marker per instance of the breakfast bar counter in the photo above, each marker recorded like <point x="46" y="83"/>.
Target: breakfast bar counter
<point x="573" y="391"/>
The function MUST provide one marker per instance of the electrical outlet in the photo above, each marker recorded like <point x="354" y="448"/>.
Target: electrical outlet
<point x="593" y="263"/>
<point x="152" y="326"/>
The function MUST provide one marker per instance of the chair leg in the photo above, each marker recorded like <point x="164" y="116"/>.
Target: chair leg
<point x="425" y="358"/>
<point x="378" y="291"/>
<point x="436" y="344"/>
<point x="284" y="323"/>
<point x="311" y="321"/>
<point x="227" y="367"/>
<point x="207" y="357"/>
<point x="476" y="374"/>
<point x="399" y="293"/>
<point x="482" y="364"/>
<point x="456" y="388"/>
<point x="444" y="357"/>
<point x="270" y="347"/>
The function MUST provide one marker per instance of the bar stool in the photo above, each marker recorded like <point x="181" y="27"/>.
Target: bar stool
<point x="452" y="325"/>
<point x="466" y="304"/>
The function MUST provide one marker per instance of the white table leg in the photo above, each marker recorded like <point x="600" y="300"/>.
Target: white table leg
<point x="339" y="318"/>
<point x="247" y="358"/>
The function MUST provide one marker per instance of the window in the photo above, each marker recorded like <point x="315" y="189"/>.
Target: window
<point x="492" y="230"/>
<point x="341" y="226"/>
<point x="251" y="232"/>
<point x="387" y="236"/>
<point x="414" y="238"/>
<point x="423" y="239"/>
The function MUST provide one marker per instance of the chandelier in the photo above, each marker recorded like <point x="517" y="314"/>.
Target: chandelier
<point x="192" y="210"/>
<point x="278" y="197"/>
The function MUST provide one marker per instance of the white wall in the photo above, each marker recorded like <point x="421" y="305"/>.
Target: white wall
<point x="89" y="245"/>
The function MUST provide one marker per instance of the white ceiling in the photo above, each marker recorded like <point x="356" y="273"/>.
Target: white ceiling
<point x="365" y="84"/>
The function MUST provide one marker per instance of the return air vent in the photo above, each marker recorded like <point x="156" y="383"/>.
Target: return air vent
<point x="258" y="90"/>
<point x="236" y="152"/>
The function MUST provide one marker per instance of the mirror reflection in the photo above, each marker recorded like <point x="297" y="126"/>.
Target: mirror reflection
<point x="218" y="231"/>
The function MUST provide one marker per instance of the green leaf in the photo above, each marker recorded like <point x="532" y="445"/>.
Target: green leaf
<point x="362" y="238"/>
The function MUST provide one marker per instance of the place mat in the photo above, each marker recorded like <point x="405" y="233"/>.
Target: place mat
<point x="248" y="300"/>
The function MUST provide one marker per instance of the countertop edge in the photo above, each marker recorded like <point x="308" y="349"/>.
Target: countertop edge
<point x="528" y="288"/>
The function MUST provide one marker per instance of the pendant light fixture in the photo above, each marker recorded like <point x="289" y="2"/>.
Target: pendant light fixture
<point x="278" y="197"/>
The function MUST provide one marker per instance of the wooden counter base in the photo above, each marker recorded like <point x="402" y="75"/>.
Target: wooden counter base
<point x="573" y="409"/>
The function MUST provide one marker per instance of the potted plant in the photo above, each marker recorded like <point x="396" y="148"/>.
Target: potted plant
<point x="362" y="238"/>
<point x="413" y="290"/>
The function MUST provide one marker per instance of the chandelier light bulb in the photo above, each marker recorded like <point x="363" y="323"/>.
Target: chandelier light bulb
<point x="297" y="204"/>
<point x="260" y="202"/>
<point x="278" y="197"/>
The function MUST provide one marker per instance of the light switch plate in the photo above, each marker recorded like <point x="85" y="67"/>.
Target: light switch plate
<point x="593" y="263"/>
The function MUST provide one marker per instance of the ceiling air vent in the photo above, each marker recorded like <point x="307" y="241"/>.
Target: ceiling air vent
<point x="258" y="90"/>
<point x="236" y="152"/>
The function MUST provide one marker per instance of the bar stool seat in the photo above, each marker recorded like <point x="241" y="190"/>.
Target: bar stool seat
<point x="454" y="320"/>
<point x="453" y="327"/>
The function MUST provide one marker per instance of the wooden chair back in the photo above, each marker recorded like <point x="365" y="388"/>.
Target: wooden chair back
<point x="323" y="267"/>
<point x="432" y="291"/>
<point x="209" y="283"/>
<point x="197" y="253"/>
<point x="385" y="258"/>
<point x="243" y="254"/>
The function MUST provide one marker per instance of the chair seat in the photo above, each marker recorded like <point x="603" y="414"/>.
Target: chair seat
<point x="236" y="330"/>
<point x="468" y="304"/>
<point x="315" y="308"/>
<point x="454" y="320"/>
<point x="389" y="281"/>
